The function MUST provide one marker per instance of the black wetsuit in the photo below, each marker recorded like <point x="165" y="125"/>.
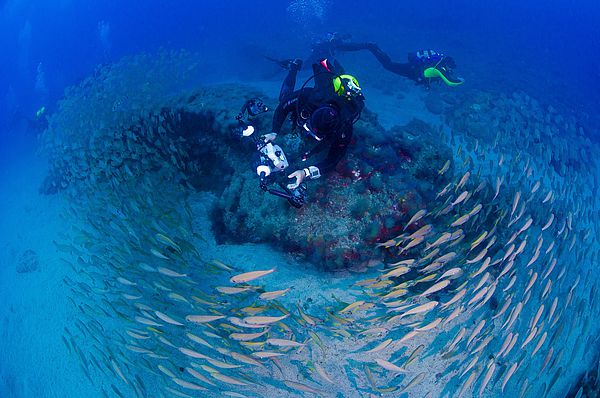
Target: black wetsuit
<point x="416" y="65"/>
<point x="327" y="49"/>
<point x="412" y="69"/>
<point x="301" y="103"/>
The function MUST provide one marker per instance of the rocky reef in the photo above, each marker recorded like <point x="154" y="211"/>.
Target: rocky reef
<point x="385" y="176"/>
<point x="128" y="127"/>
<point x="134" y="117"/>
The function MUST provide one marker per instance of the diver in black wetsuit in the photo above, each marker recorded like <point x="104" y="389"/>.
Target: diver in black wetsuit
<point x="326" y="114"/>
<point x="423" y="67"/>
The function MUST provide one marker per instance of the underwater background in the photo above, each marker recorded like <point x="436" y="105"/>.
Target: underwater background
<point x="453" y="252"/>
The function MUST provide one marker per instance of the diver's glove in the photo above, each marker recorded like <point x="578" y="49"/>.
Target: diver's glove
<point x="299" y="175"/>
<point x="269" y="137"/>
<point x="294" y="64"/>
<point x="311" y="172"/>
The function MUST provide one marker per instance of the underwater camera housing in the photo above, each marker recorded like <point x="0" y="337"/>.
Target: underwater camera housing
<point x="252" y="107"/>
<point x="271" y="158"/>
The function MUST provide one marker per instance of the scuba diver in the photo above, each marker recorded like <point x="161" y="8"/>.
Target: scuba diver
<point x="423" y="67"/>
<point x="325" y="113"/>
<point x="34" y="124"/>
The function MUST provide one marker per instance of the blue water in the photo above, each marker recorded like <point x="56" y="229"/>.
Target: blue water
<point x="548" y="50"/>
<point x="556" y="48"/>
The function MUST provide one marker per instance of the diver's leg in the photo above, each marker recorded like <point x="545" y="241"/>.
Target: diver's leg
<point x="399" y="68"/>
<point x="289" y="83"/>
<point x="353" y="46"/>
<point x="339" y="69"/>
<point x="319" y="52"/>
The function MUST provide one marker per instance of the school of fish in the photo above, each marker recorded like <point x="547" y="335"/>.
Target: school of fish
<point x="488" y="291"/>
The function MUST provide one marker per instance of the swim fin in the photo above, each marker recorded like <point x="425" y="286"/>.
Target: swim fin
<point x="286" y="63"/>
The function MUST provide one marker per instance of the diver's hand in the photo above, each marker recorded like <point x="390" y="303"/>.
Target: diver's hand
<point x="269" y="137"/>
<point x="299" y="175"/>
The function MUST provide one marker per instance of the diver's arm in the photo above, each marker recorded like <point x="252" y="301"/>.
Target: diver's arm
<point x="336" y="152"/>
<point x="289" y="105"/>
<point x="279" y="116"/>
<point x="283" y="109"/>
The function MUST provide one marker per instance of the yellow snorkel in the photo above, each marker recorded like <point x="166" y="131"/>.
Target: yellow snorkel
<point x="433" y="72"/>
